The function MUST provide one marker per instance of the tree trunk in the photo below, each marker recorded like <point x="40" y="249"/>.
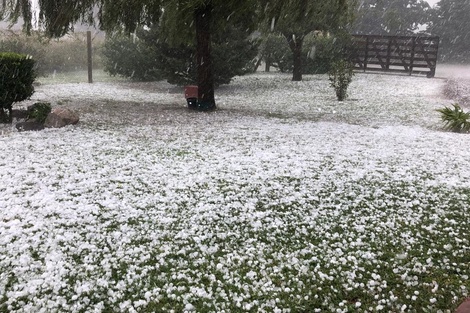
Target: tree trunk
<point x="295" y="45"/>
<point x="205" y="76"/>
<point x="267" y="65"/>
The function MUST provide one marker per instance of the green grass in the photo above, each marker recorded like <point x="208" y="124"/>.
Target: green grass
<point x="225" y="212"/>
<point x="98" y="75"/>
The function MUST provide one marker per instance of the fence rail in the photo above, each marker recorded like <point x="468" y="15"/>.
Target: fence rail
<point x="408" y="54"/>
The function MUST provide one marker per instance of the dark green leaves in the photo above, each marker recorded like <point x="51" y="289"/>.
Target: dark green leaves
<point x="455" y="119"/>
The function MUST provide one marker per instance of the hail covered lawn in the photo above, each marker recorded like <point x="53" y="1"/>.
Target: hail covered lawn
<point x="284" y="200"/>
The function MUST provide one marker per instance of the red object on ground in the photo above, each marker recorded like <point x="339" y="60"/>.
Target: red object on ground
<point x="190" y="92"/>
<point x="464" y="307"/>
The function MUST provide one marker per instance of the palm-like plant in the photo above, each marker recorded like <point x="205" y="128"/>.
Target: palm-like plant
<point x="455" y="119"/>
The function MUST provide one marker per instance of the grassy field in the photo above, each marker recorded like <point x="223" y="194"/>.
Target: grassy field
<point x="283" y="200"/>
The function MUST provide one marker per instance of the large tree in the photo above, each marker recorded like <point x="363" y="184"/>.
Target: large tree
<point x="295" y="19"/>
<point x="58" y="17"/>
<point x="202" y="18"/>
<point x="451" y="22"/>
<point x="391" y="17"/>
<point x="148" y="56"/>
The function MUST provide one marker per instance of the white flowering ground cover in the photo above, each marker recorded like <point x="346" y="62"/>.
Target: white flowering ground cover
<point x="283" y="200"/>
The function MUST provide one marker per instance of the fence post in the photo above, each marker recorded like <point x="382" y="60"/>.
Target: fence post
<point x="413" y="51"/>
<point x="90" y="59"/>
<point x="366" y="54"/>
<point x="389" y="51"/>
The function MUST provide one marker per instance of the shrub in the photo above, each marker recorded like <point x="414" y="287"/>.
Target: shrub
<point x="148" y="57"/>
<point x="16" y="81"/>
<point x="276" y="52"/>
<point x="131" y="58"/>
<point x="325" y="50"/>
<point x="455" y="119"/>
<point x="29" y="45"/>
<point x="39" y="111"/>
<point x="69" y="54"/>
<point x="319" y="51"/>
<point x="340" y="76"/>
<point x="66" y="54"/>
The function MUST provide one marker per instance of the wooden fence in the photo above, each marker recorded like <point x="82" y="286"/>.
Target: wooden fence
<point x="408" y="54"/>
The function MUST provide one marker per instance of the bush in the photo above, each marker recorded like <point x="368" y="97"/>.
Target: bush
<point x="39" y="111"/>
<point x="324" y="51"/>
<point x="69" y="54"/>
<point x="16" y="81"/>
<point x="131" y="58"/>
<point x="340" y="76"/>
<point x="455" y="119"/>
<point x="28" y="45"/>
<point x="318" y="52"/>
<point x="64" y="55"/>
<point x="276" y="52"/>
<point x="148" y="57"/>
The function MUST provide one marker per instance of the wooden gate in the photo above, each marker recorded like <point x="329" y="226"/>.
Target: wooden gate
<point x="408" y="54"/>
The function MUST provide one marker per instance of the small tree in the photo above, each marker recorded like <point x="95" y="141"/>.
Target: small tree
<point x="340" y="76"/>
<point x="131" y="57"/>
<point x="16" y="82"/>
<point x="296" y="19"/>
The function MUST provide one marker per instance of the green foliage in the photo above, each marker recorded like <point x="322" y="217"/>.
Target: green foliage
<point x="63" y="55"/>
<point x="131" y="57"/>
<point x="28" y="45"/>
<point x="70" y="54"/>
<point x="451" y="23"/>
<point x="275" y="52"/>
<point x="398" y="17"/>
<point x="16" y="81"/>
<point x="318" y="53"/>
<point x="455" y="119"/>
<point x="147" y="57"/>
<point x="295" y="20"/>
<point x="303" y="17"/>
<point x="39" y="111"/>
<point x="340" y="76"/>
<point x="321" y="52"/>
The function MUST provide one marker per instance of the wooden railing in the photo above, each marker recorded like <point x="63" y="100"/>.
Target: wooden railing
<point x="408" y="54"/>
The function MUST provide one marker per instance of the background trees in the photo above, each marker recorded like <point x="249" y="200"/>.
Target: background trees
<point x="450" y="21"/>
<point x="183" y="21"/>
<point x="147" y="56"/>
<point x="179" y="17"/>
<point x="391" y="17"/>
<point x="295" y="19"/>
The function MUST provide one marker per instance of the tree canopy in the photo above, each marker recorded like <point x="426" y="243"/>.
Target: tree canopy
<point x="450" y="21"/>
<point x="391" y="17"/>
<point x="183" y="19"/>
<point x="58" y="17"/>
<point x="295" y="19"/>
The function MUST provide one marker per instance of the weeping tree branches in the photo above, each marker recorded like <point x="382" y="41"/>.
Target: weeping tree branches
<point x="12" y="10"/>
<point x="183" y="19"/>
<point x="295" y="19"/>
